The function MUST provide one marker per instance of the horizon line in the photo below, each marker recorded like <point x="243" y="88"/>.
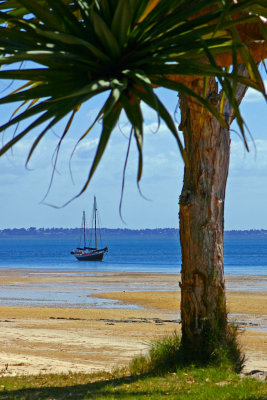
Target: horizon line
<point x="33" y="229"/>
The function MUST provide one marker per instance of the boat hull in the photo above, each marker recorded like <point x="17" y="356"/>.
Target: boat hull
<point x="90" y="257"/>
<point x="96" y="255"/>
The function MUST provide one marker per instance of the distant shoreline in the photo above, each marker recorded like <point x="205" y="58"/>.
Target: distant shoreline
<point x="69" y="232"/>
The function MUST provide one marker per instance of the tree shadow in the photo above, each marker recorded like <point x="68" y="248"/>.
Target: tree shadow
<point x="105" y="388"/>
<point x="90" y="390"/>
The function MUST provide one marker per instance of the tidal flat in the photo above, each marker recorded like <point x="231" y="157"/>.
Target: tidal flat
<point x="85" y="322"/>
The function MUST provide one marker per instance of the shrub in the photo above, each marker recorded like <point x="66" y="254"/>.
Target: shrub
<point x="167" y="355"/>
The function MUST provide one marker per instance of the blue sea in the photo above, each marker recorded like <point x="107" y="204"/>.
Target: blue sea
<point x="244" y="254"/>
<point x="41" y="258"/>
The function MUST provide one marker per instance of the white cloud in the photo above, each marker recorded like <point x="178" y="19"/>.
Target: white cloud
<point x="253" y="95"/>
<point x="254" y="162"/>
<point x="148" y="113"/>
<point x="84" y="148"/>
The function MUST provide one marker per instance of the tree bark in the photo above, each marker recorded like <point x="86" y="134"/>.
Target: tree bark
<point x="203" y="305"/>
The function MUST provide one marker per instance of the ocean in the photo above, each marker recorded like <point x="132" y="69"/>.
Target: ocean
<point x="244" y="254"/>
<point x="50" y="256"/>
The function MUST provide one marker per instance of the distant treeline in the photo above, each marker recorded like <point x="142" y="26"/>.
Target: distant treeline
<point x="112" y="232"/>
<point x="76" y="231"/>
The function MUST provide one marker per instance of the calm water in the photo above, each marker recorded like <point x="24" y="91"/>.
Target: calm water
<point x="243" y="254"/>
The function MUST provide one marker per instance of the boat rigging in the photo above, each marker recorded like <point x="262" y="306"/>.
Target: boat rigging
<point x="86" y="253"/>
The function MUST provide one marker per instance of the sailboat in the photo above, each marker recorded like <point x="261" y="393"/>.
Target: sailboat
<point x="86" y="253"/>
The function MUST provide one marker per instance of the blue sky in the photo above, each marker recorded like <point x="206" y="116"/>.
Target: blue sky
<point x="22" y="190"/>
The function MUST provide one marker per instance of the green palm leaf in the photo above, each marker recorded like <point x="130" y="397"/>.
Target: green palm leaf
<point x="125" y="48"/>
<point x="133" y="111"/>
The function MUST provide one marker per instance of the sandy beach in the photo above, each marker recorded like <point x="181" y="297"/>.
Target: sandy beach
<point x="128" y="310"/>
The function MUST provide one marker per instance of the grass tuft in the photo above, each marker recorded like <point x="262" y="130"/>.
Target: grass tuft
<point x="168" y="354"/>
<point x="163" y="356"/>
<point x="229" y="353"/>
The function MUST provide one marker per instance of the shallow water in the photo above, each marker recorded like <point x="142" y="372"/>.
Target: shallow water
<point x="65" y="289"/>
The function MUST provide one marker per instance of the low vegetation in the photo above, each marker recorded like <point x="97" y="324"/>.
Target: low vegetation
<point x="168" y="355"/>
<point x="185" y="384"/>
<point x="158" y="375"/>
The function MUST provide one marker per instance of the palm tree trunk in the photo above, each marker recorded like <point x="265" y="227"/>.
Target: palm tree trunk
<point x="203" y="305"/>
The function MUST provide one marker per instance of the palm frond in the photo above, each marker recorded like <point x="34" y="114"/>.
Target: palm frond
<point x="72" y="51"/>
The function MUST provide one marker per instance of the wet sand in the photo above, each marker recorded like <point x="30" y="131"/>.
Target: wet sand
<point x="61" y="339"/>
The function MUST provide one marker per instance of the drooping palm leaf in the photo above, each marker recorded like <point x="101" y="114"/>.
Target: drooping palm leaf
<point x="123" y="47"/>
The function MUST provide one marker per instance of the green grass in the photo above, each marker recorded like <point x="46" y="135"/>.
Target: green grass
<point x="186" y="384"/>
<point x="163" y="355"/>
<point x="167" y="355"/>
<point x="158" y="375"/>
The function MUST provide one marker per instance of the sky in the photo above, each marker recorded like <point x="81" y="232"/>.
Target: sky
<point x="23" y="190"/>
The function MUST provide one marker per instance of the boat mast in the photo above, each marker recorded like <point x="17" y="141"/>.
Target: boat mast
<point x="84" y="227"/>
<point x="95" y="210"/>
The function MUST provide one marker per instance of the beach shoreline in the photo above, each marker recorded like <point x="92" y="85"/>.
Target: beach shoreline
<point x="50" y="339"/>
